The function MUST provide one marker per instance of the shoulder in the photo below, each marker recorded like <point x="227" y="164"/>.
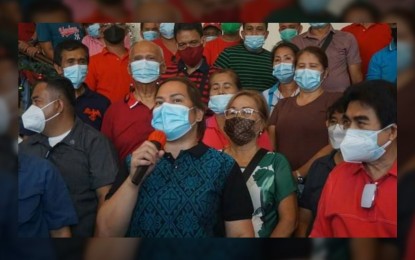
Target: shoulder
<point x="348" y="28"/>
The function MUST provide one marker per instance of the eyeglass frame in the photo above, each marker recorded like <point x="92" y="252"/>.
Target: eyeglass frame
<point x="239" y="112"/>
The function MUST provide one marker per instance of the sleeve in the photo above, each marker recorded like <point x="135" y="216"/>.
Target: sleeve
<point x="353" y="54"/>
<point x="119" y="179"/>
<point x="90" y="79"/>
<point x="274" y="115"/>
<point x="58" y="208"/>
<point x="285" y="182"/>
<point x="106" y="128"/>
<point x="237" y="204"/>
<point x="43" y="32"/>
<point x="223" y="60"/>
<point x="322" y="227"/>
<point x="103" y="165"/>
<point x="374" y="69"/>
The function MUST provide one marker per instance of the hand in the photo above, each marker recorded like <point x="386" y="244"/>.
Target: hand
<point x="23" y="46"/>
<point x="32" y="51"/>
<point x="146" y="155"/>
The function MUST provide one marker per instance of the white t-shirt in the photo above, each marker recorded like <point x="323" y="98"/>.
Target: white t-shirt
<point x="56" y="139"/>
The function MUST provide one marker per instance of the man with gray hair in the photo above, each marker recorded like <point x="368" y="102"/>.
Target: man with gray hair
<point x="127" y="123"/>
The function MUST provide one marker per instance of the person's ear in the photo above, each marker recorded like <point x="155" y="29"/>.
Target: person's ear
<point x="163" y="67"/>
<point x="393" y="132"/>
<point x="129" y="69"/>
<point x="243" y="34"/>
<point x="203" y="40"/>
<point x="266" y="34"/>
<point x="325" y="73"/>
<point x="58" y="69"/>
<point x="327" y="123"/>
<point x="199" y="114"/>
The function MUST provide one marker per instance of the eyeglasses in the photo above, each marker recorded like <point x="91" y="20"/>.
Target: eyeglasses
<point x="183" y="45"/>
<point x="244" y="112"/>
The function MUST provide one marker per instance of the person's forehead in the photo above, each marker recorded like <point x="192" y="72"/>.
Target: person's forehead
<point x="172" y="87"/>
<point x="222" y="77"/>
<point x="288" y="24"/>
<point x="244" y="101"/>
<point x="40" y="90"/>
<point x="144" y="48"/>
<point x="150" y="25"/>
<point x="357" y="108"/>
<point x="307" y="56"/>
<point x="284" y="51"/>
<point x="188" y="35"/>
<point x="255" y="24"/>
<point x="78" y="53"/>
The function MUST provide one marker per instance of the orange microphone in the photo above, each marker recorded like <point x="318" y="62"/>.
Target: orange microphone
<point x="158" y="138"/>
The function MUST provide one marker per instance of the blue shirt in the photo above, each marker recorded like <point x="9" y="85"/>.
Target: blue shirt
<point x="91" y="106"/>
<point x="58" y="32"/>
<point x="383" y="64"/>
<point x="190" y="196"/>
<point x="44" y="201"/>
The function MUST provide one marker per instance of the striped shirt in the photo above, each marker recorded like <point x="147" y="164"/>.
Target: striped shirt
<point x="254" y="69"/>
<point x="200" y="76"/>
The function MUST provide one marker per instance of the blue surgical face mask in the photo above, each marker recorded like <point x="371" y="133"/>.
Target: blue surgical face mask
<point x="93" y="30"/>
<point x="76" y="74"/>
<point x="145" y="71"/>
<point x="362" y="145"/>
<point x="254" y="42"/>
<point x="172" y="119"/>
<point x="218" y="103"/>
<point x="313" y="7"/>
<point x="308" y="80"/>
<point x="405" y="55"/>
<point x="167" y="30"/>
<point x="288" y="34"/>
<point x="150" y="35"/>
<point x="210" y="38"/>
<point x="284" y="72"/>
<point x="317" y="25"/>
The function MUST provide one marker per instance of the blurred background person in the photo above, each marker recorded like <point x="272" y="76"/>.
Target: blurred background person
<point x="108" y="11"/>
<point x="342" y="51"/>
<point x="289" y="30"/>
<point x="149" y="31"/>
<point x="211" y="31"/>
<point x="320" y="169"/>
<point x="108" y="70"/>
<point x="249" y="59"/>
<point x="229" y="37"/>
<point x="370" y="34"/>
<point x="156" y="12"/>
<point x="168" y="44"/>
<point x="267" y="174"/>
<point x="298" y="124"/>
<point x="224" y="84"/>
<point x="283" y="58"/>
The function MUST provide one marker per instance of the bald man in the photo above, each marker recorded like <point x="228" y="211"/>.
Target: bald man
<point x="127" y="123"/>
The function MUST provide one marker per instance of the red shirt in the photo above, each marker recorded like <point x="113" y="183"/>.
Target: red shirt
<point x="127" y="123"/>
<point x="99" y="17"/>
<point x="215" y="138"/>
<point x="170" y="58"/>
<point x="370" y="40"/>
<point x="214" y="48"/>
<point x="108" y="75"/>
<point x="339" y="212"/>
<point x="25" y="31"/>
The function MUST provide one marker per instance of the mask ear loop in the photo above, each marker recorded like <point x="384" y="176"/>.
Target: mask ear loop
<point x="388" y="142"/>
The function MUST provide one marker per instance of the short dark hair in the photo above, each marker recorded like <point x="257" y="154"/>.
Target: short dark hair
<point x="316" y="51"/>
<point x="178" y="27"/>
<point x="68" y="45"/>
<point x="62" y="86"/>
<point x="377" y="94"/>
<point x="284" y="44"/>
<point x="368" y="7"/>
<point x="196" y="99"/>
<point x="266" y="26"/>
<point x="339" y="106"/>
<point x="231" y="72"/>
<point x="48" y="6"/>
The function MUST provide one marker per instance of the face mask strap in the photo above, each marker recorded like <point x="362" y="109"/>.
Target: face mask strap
<point x="52" y="117"/>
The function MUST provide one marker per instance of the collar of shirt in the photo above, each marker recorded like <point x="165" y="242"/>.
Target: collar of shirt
<point x="363" y="27"/>
<point x="393" y="171"/>
<point x="105" y="51"/>
<point x="204" y="66"/>
<point x="309" y="35"/>
<point x="73" y="135"/>
<point x="87" y="92"/>
<point x="131" y="101"/>
<point x="196" y="151"/>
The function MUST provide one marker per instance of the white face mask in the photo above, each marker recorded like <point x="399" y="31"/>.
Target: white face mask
<point x="362" y="145"/>
<point x="336" y="135"/>
<point x="34" y="118"/>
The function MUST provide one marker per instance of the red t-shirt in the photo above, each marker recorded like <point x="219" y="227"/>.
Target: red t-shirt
<point x="370" y="40"/>
<point x="108" y="75"/>
<point x="26" y="31"/>
<point x="214" y="48"/>
<point x="170" y="58"/>
<point x="215" y="138"/>
<point x="339" y="212"/>
<point x="127" y="123"/>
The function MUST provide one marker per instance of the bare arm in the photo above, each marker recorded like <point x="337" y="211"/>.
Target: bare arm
<point x="304" y="169"/>
<point x="239" y="228"/>
<point x="287" y="211"/>
<point x="61" y="233"/>
<point x="47" y="49"/>
<point x="101" y="193"/>
<point x="305" y="217"/>
<point x="355" y="72"/>
<point x="271" y="133"/>
<point x="111" y="248"/>
<point x="364" y="248"/>
<point x="115" y="214"/>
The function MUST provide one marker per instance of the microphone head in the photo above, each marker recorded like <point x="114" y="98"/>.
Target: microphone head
<point x="158" y="136"/>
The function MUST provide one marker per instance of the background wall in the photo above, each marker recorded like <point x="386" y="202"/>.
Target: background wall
<point x="272" y="39"/>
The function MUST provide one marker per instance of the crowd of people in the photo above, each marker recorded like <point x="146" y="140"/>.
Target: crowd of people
<point x="300" y="140"/>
